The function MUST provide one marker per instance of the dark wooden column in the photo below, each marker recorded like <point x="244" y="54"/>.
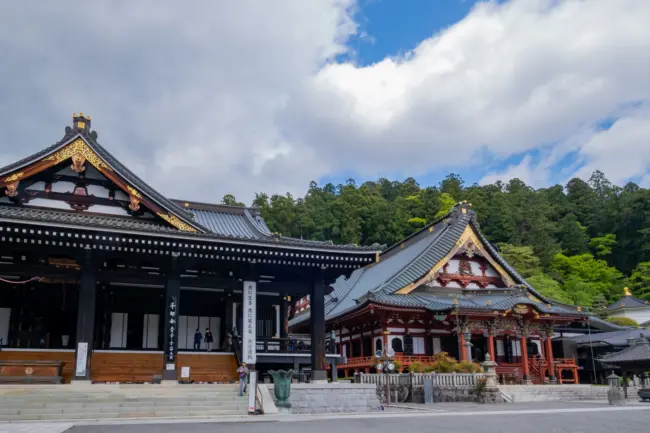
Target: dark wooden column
<point x="86" y="317"/>
<point x="170" y="319"/>
<point x="284" y="307"/>
<point x="317" y="316"/>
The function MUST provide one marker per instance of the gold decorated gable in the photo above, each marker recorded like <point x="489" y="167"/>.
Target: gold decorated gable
<point x="521" y="309"/>
<point x="467" y="239"/>
<point x="79" y="148"/>
<point x="176" y="222"/>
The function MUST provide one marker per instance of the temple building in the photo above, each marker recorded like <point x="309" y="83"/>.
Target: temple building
<point x="631" y="307"/>
<point x="100" y="271"/>
<point x="447" y="289"/>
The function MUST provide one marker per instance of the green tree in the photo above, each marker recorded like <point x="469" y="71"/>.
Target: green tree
<point x="599" y="305"/>
<point x="445" y="203"/>
<point x="583" y="277"/>
<point x="522" y="258"/>
<point x="640" y="280"/>
<point x="602" y="246"/>
<point x="230" y="200"/>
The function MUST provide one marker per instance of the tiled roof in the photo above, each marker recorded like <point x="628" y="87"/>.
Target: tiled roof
<point x="84" y="219"/>
<point x="639" y="351"/>
<point x="614" y="338"/>
<point x="401" y="266"/>
<point x="627" y="302"/>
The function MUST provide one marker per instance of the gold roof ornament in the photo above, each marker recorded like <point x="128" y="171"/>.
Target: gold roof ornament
<point x="489" y="302"/>
<point x="455" y="302"/>
<point x="627" y="291"/>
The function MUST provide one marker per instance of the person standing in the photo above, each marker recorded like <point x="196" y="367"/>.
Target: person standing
<point x="243" y="375"/>
<point x="197" y="339"/>
<point x="208" y="339"/>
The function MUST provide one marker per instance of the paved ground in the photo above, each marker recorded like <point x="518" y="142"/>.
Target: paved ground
<point x="578" y="417"/>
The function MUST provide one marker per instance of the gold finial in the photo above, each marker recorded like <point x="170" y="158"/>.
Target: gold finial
<point x="74" y="115"/>
<point x="548" y="305"/>
<point x="627" y="292"/>
<point x="402" y="246"/>
<point x="455" y="301"/>
<point x="489" y="302"/>
<point x="579" y="309"/>
<point x="187" y="204"/>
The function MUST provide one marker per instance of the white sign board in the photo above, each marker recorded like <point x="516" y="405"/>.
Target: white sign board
<point x="82" y="359"/>
<point x="185" y="372"/>
<point x="170" y="367"/>
<point x="249" y="336"/>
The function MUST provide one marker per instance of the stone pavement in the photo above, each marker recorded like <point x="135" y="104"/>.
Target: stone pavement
<point x="574" y="417"/>
<point x="34" y="427"/>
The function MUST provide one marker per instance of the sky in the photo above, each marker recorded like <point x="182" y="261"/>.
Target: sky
<point x="202" y="98"/>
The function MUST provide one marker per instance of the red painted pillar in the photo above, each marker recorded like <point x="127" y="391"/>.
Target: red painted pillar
<point x="524" y="357"/>
<point x="491" y="346"/>
<point x="549" y="357"/>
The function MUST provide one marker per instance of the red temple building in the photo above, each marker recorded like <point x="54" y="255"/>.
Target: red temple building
<point x="447" y="289"/>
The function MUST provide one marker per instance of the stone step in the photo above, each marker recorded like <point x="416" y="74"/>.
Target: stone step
<point x="53" y="408"/>
<point x="121" y="415"/>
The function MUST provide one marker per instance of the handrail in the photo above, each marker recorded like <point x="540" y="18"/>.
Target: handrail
<point x="237" y="349"/>
<point x="259" y="398"/>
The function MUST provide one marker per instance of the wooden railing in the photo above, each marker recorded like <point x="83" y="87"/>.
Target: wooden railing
<point x="447" y="380"/>
<point x="371" y="361"/>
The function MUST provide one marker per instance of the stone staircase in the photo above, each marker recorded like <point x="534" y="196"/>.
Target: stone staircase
<point x="106" y="402"/>
<point x="531" y="393"/>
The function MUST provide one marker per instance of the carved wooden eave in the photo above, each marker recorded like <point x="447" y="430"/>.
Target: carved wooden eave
<point x="79" y="152"/>
<point x="468" y="236"/>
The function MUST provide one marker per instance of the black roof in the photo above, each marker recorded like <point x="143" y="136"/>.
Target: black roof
<point x="638" y="351"/>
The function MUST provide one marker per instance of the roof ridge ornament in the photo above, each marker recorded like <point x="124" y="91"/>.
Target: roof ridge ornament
<point x="627" y="291"/>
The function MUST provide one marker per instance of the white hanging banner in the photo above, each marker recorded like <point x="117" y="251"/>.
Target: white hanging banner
<point x="82" y="359"/>
<point x="250" y="322"/>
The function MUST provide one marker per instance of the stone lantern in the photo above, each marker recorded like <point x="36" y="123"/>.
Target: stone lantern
<point x="614" y="393"/>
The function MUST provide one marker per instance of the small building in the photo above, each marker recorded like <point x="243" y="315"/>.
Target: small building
<point x="631" y="307"/>
<point x="101" y="271"/>
<point x="447" y="289"/>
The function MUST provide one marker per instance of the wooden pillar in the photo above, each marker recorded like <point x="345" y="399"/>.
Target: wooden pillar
<point x="172" y="313"/>
<point x="317" y="315"/>
<point x="361" y="343"/>
<point x="549" y="354"/>
<point x="284" y="324"/>
<point x="86" y="318"/>
<point x="461" y="355"/>
<point x="524" y="357"/>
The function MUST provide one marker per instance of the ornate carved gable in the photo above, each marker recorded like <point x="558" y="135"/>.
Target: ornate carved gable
<point x="75" y="177"/>
<point x="467" y="265"/>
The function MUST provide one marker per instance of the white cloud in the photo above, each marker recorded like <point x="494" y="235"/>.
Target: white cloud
<point x="210" y="97"/>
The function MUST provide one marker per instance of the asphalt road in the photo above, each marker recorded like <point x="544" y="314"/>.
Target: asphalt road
<point x="559" y="420"/>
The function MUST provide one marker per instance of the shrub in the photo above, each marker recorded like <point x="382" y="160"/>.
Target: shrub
<point x="623" y="321"/>
<point x="416" y="367"/>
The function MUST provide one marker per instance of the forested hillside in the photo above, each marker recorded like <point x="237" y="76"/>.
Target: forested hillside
<point x="581" y="243"/>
